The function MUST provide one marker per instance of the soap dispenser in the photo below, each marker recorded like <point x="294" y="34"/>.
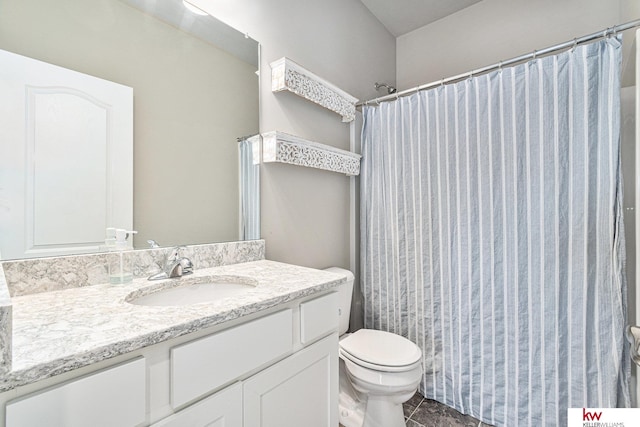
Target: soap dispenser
<point x="121" y="265"/>
<point x="110" y="239"/>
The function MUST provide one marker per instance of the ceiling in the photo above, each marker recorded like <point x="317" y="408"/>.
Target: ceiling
<point x="403" y="16"/>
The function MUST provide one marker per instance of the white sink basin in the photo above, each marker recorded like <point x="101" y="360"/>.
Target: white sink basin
<point x="193" y="291"/>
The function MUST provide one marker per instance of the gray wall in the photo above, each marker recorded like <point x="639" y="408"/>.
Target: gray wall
<point x="305" y="212"/>
<point x="495" y="30"/>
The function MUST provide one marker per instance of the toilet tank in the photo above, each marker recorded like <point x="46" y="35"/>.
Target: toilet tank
<point x="345" y="292"/>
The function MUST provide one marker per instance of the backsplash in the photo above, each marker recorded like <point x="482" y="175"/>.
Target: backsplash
<point x="5" y="326"/>
<point x="30" y="276"/>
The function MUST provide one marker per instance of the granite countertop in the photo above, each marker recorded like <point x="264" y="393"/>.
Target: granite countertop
<point x="58" y="331"/>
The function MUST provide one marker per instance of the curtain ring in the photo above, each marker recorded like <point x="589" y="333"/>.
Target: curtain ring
<point x="575" y="44"/>
<point x="500" y="66"/>
<point x="535" y="54"/>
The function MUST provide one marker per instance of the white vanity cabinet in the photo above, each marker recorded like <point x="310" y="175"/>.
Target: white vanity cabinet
<point x="275" y="368"/>
<point x="299" y="390"/>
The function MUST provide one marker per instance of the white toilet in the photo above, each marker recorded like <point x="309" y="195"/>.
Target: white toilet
<point x="379" y="371"/>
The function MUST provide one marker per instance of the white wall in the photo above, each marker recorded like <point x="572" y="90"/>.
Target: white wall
<point x="495" y="30"/>
<point x="304" y="212"/>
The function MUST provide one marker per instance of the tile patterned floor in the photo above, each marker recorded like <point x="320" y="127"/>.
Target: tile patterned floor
<point x="421" y="412"/>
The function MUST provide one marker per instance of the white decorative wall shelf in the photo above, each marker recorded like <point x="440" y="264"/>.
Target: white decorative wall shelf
<point x="287" y="75"/>
<point x="284" y="148"/>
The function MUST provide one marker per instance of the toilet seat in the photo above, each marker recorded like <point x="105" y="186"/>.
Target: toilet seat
<point x="380" y="351"/>
<point x="375" y="367"/>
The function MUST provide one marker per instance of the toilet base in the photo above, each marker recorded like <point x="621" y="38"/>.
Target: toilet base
<point x="360" y="409"/>
<point x="350" y="411"/>
<point x="382" y="412"/>
<point x="351" y="407"/>
<point x="376" y="412"/>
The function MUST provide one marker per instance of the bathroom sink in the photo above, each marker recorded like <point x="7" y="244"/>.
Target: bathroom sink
<point x="192" y="291"/>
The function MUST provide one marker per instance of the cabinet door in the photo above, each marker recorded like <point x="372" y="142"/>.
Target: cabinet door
<point x="301" y="390"/>
<point x="223" y="409"/>
<point x="112" y="397"/>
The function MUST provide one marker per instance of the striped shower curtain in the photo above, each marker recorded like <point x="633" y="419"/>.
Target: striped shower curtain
<point x="249" y="155"/>
<point x="492" y="236"/>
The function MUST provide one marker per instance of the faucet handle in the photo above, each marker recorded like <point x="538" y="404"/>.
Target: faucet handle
<point x="174" y="255"/>
<point x="187" y="266"/>
<point x="174" y="265"/>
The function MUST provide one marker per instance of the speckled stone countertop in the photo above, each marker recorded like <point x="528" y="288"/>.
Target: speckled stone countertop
<point x="58" y="331"/>
<point x="5" y="325"/>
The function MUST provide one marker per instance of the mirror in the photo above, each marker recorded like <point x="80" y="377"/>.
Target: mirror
<point x="195" y="92"/>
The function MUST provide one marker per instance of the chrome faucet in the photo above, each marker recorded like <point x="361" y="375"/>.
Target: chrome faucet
<point x="174" y="266"/>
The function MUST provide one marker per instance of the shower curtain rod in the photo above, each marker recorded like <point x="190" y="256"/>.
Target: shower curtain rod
<point x="536" y="53"/>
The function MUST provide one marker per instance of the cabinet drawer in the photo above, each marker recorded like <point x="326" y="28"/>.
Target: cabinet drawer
<point x="112" y="397"/>
<point x="318" y="317"/>
<point x="222" y="409"/>
<point x="203" y="365"/>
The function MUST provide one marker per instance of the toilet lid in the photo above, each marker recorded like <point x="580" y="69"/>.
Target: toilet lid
<point x="381" y="348"/>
